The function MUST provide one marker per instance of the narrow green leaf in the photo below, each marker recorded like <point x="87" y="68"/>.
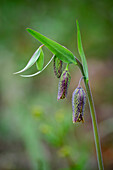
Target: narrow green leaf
<point x="40" y="61"/>
<point x="60" y="51"/>
<point x="38" y="71"/>
<point x="32" y="60"/>
<point x="81" y="52"/>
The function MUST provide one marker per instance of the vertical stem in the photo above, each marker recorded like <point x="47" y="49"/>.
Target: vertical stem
<point x="95" y="126"/>
<point x="94" y="119"/>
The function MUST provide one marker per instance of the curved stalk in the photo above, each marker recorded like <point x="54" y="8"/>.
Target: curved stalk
<point x="94" y="119"/>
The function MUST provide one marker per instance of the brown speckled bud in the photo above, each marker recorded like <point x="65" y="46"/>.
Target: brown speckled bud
<point x="78" y="104"/>
<point x="64" y="84"/>
<point x="57" y="67"/>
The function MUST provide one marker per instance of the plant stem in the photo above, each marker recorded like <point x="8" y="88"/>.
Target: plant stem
<point x="95" y="126"/>
<point x="94" y="119"/>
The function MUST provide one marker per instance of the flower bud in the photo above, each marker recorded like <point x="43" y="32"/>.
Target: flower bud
<point x="57" y="67"/>
<point x="78" y="104"/>
<point x="64" y="84"/>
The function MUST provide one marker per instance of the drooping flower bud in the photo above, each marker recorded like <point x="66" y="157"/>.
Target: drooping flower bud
<point x="57" y="67"/>
<point x="64" y="84"/>
<point x="78" y="104"/>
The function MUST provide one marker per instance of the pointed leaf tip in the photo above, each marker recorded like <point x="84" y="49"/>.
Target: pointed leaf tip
<point x="28" y="29"/>
<point x="33" y="59"/>
<point x="60" y="51"/>
<point x="38" y="71"/>
<point x="81" y="51"/>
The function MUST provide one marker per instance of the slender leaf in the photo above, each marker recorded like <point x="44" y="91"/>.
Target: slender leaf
<point x="40" y="61"/>
<point x="39" y="71"/>
<point x="81" y="52"/>
<point x="60" y="51"/>
<point x="32" y="60"/>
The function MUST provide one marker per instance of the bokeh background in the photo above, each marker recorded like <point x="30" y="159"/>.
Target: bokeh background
<point x="36" y="130"/>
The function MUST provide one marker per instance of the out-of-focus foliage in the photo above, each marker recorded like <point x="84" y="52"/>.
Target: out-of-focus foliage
<point x="36" y="130"/>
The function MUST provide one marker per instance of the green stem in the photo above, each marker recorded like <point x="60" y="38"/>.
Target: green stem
<point x="94" y="119"/>
<point x="95" y="126"/>
<point x="67" y="66"/>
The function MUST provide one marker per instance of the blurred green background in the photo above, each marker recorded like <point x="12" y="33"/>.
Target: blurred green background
<point x="36" y="130"/>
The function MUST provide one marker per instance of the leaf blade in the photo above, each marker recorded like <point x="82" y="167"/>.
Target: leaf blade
<point x="40" y="61"/>
<point x="32" y="60"/>
<point x="60" y="51"/>
<point x="31" y="75"/>
<point x="81" y="52"/>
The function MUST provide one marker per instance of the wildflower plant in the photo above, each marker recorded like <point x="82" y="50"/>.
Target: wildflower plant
<point x="63" y="55"/>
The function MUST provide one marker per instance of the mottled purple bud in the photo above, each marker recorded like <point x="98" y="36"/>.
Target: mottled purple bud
<point x="78" y="104"/>
<point x="64" y="84"/>
<point x="57" y="67"/>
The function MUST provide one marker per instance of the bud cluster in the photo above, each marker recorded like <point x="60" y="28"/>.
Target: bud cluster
<point x="78" y="97"/>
